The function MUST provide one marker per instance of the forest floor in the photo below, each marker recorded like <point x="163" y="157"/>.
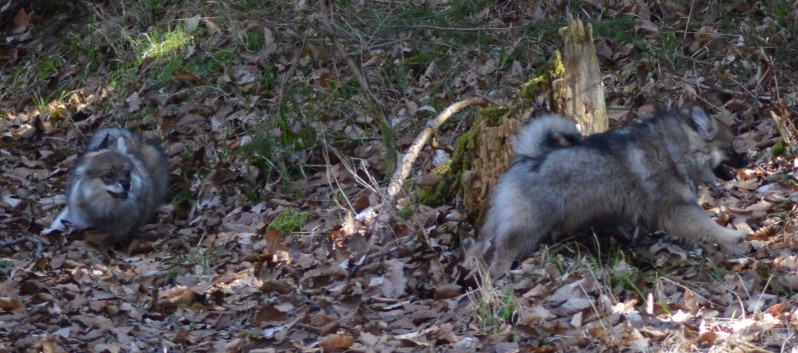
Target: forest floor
<point x="279" y="160"/>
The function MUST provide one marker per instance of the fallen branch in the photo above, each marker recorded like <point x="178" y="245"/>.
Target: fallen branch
<point x="406" y="165"/>
<point x="25" y="239"/>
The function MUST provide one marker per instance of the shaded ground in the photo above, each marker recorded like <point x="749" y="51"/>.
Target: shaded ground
<point x="278" y="159"/>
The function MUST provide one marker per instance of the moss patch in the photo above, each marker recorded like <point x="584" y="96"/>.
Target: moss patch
<point x="434" y="196"/>
<point x="493" y="115"/>
<point x="289" y="221"/>
<point x="778" y="148"/>
<point x="553" y="70"/>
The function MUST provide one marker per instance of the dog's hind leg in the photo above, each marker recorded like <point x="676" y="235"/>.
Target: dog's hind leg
<point x="492" y="255"/>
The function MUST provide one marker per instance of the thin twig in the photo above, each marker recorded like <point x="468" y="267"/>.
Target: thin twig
<point x="376" y="110"/>
<point x="199" y="201"/>
<point x="353" y="67"/>
<point x="783" y="126"/>
<point x="403" y="170"/>
<point x="687" y="26"/>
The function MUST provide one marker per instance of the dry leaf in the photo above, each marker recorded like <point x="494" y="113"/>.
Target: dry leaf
<point x="181" y="75"/>
<point x="336" y="343"/>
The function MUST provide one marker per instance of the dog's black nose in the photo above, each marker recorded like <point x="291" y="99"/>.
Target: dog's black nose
<point x="733" y="161"/>
<point x="736" y="160"/>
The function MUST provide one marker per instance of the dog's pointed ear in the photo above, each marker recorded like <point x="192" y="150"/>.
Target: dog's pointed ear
<point x="121" y="145"/>
<point x="105" y="142"/>
<point x="700" y="121"/>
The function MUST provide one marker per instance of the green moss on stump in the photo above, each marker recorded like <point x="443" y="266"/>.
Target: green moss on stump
<point x="778" y="148"/>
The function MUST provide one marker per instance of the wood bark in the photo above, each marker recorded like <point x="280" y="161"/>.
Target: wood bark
<point x="490" y="158"/>
<point x="571" y="85"/>
<point x="484" y="152"/>
<point x="580" y="95"/>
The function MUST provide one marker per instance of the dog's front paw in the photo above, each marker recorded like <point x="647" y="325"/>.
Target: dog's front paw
<point x="738" y="248"/>
<point x="58" y="226"/>
<point x="733" y="241"/>
<point x="52" y="230"/>
<point x="741" y="235"/>
<point x="732" y="236"/>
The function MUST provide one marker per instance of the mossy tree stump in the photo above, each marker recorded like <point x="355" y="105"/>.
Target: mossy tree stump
<point x="571" y="85"/>
<point x="484" y="152"/>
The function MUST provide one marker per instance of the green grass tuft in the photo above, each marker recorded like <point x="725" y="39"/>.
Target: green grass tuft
<point x="289" y="221"/>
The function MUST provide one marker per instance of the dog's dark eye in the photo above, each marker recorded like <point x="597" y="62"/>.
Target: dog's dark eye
<point x="108" y="175"/>
<point x="127" y="174"/>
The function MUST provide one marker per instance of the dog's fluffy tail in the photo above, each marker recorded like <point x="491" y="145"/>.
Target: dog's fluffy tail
<point x="541" y="135"/>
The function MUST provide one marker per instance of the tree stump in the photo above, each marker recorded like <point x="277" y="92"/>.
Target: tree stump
<point x="580" y="95"/>
<point x="573" y="87"/>
<point x="484" y="152"/>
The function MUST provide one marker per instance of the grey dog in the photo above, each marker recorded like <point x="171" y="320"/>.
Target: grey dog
<point x="645" y="175"/>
